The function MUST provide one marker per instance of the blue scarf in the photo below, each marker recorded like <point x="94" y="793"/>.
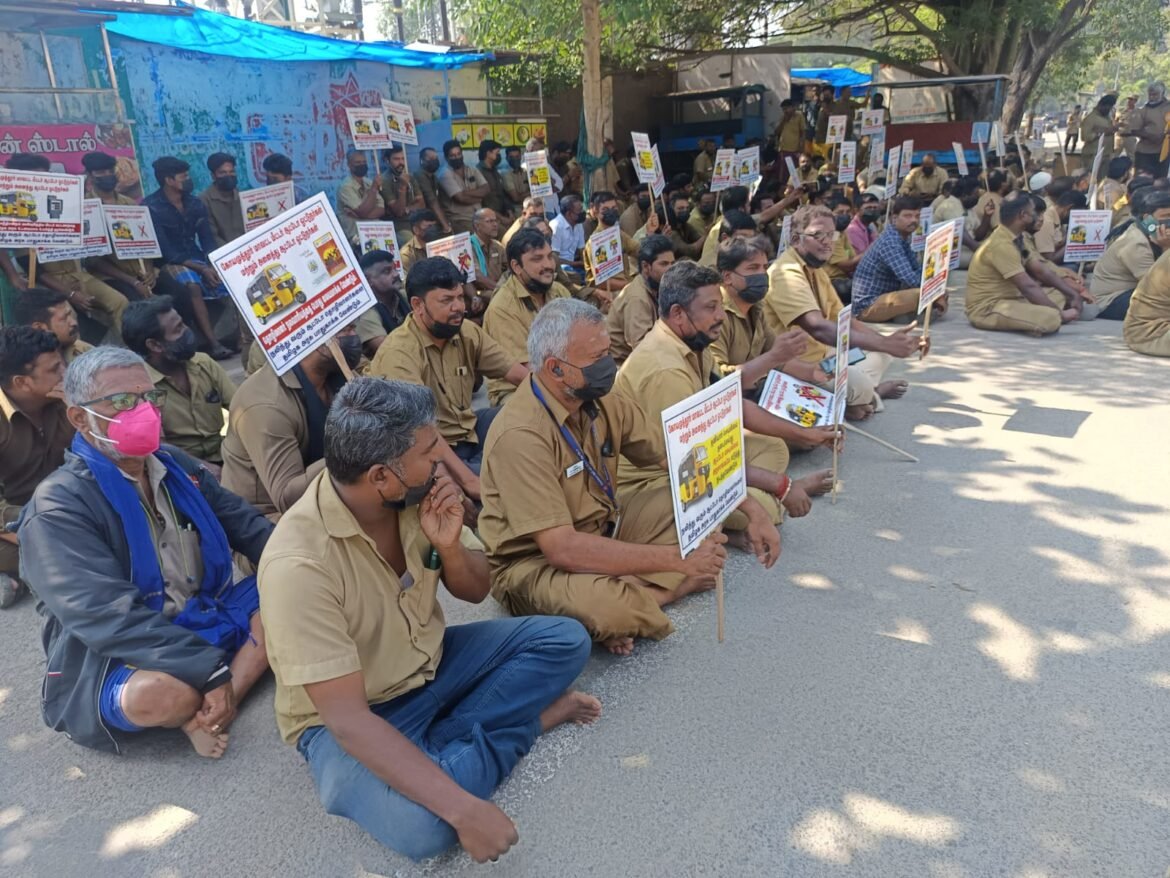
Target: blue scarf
<point x="204" y="614"/>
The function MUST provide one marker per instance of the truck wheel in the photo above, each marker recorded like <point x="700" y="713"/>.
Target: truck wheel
<point x="709" y="490"/>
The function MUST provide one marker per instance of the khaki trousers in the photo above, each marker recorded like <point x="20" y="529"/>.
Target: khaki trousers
<point x="890" y="305"/>
<point x="864" y="377"/>
<point x="1019" y="315"/>
<point x="109" y="304"/>
<point x="1159" y="347"/>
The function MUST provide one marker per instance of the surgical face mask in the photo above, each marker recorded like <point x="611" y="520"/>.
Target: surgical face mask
<point x="599" y="378"/>
<point x="351" y="349"/>
<point x="415" y="494"/>
<point x="514" y="162"/>
<point x="610" y="217"/>
<point x="226" y="183"/>
<point x="707" y="209"/>
<point x="643" y="202"/>
<point x="455" y="164"/>
<point x="430" y="165"/>
<point x="132" y="434"/>
<point x="360" y="171"/>
<point x="105" y="184"/>
<point x="188" y="185"/>
<point x="841" y="221"/>
<point x="755" y="287"/>
<point x="182" y="348"/>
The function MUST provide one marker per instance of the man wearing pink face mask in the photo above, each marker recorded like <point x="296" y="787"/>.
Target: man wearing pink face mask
<point x="127" y="548"/>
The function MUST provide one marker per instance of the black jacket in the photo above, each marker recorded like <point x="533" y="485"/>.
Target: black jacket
<point x="74" y="557"/>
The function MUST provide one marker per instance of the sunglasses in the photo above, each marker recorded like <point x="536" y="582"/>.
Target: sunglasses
<point x="123" y="402"/>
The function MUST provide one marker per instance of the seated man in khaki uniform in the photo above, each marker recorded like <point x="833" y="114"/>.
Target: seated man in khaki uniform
<point x="673" y="362"/>
<point x="800" y="294"/>
<point x="407" y="724"/>
<point x="635" y="310"/>
<point x="532" y="209"/>
<point x="530" y="286"/>
<point x="1001" y="293"/>
<point x="561" y="539"/>
<point x="199" y="391"/>
<point x="924" y="182"/>
<point x="424" y="228"/>
<point x="34" y="433"/>
<point x="275" y="442"/>
<point x="489" y="253"/>
<point x="438" y="348"/>
<point x="50" y="310"/>
<point x="604" y="209"/>
<point x="1147" y="323"/>
<point x="1130" y="257"/>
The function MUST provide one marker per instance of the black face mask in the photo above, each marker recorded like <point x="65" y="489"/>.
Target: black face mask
<point x="456" y="164"/>
<point x="434" y="233"/>
<point x="755" y="287"/>
<point x="225" y="184"/>
<point x="707" y="209"/>
<point x="430" y="165"/>
<point x="414" y="494"/>
<point x="271" y="181"/>
<point x="351" y="349"/>
<point x="182" y="348"/>
<point x="360" y="171"/>
<point x="188" y="186"/>
<point x="105" y="184"/>
<point x="682" y="216"/>
<point x="536" y="286"/>
<point x="514" y="162"/>
<point x="812" y="261"/>
<point x="842" y="222"/>
<point x="929" y="172"/>
<point x="441" y="331"/>
<point x="699" y="341"/>
<point x="599" y="378"/>
<point x="870" y="216"/>
<point x="643" y="202"/>
<point x="610" y="217"/>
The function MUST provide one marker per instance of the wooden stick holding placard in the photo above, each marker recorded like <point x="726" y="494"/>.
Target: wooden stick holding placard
<point x="32" y="266"/>
<point x="925" y="332"/>
<point x="836" y="452"/>
<point x="339" y="358"/>
<point x="377" y="164"/>
<point x="881" y="442"/>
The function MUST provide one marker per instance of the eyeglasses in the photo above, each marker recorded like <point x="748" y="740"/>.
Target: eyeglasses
<point x="123" y="402"/>
<point x="822" y="237"/>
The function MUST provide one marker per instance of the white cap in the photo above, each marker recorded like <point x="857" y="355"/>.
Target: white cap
<point x="1039" y="180"/>
<point x="879" y="191"/>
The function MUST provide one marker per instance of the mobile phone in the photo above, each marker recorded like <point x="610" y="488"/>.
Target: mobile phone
<point x="829" y="364"/>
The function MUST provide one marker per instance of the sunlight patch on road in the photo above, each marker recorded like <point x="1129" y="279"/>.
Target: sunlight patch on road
<point x="909" y="630"/>
<point x="813" y="581"/>
<point x="1009" y="644"/>
<point x="148" y="831"/>
<point x="835" y="837"/>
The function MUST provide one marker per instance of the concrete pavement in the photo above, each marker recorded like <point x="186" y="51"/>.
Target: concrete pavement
<point x="959" y="670"/>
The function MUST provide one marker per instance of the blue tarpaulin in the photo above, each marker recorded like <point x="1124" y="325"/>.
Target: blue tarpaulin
<point x="216" y="34"/>
<point x="838" y="77"/>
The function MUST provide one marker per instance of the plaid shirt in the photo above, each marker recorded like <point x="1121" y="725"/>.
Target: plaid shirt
<point x="888" y="264"/>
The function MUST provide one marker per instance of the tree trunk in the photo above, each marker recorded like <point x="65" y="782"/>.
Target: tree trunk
<point x="591" y="84"/>
<point x="1029" y="64"/>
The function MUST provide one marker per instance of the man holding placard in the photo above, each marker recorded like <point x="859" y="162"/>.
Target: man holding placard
<point x="357" y="197"/>
<point x="926" y="181"/>
<point x="885" y="285"/>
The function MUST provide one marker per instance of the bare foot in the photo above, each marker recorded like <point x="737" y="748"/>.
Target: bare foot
<point x="817" y="483"/>
<point x="858" y="412"/>
<point x="693" y="584"/>
<point x="619" y="645"/>
<point x="892" y="389"/>
<point x="572" y="707"/>
<point x="205" y="743"/>
<point x="738" y="539"/>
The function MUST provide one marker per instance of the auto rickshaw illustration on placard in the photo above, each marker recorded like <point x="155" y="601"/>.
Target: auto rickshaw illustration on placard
<point x="273" y="291"/>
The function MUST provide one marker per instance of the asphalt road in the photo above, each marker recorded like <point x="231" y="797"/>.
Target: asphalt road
<point x="959" y="670"/>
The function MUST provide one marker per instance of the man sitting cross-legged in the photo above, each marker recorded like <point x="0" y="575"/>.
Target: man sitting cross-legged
<point x="128" y="549"/>
<point x="407" y="725"/>
<point x="560" y="536"/>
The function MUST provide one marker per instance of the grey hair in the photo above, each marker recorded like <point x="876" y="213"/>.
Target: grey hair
<point x="533" y="201"/>
<point x="480" y="214"/>
<point x="681" y="282"/>
<point x="82" y="376"/>
<point x="374" y="421"/>
<point x="549" y="334"/>
<point x="570" y="202"/>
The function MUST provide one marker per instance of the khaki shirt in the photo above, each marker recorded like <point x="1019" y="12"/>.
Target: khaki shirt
<point x="796" y="288"/>
<point x="1148" y="318"/>
<point x="842" y="252"/>
<point x="1150" y="125"/>
<point x="75" y="350"/>
<point x="389" y="193"/>
<point x="1051" y="234"/>
<point x="1092" y="128"/>
<point x="451" y="183"/>
<point x="660" y="372"/>
<point x="790" y="134"/>
<point x="512" y="230"/>
<point x="28" y="453"/>
<point x="633" y="218"/>
<point x="945" y="209"/>
<point x="493" y="254"/>
<point x="516" y="185"/>
<point x="332" y="606"/>
<point x="632" y="315"/>
<point x="711" y="244"/>
<point x="742" y="338"/>
<point x="920" y="185"/>
<point x="223" y="211"/>
<point x="508" y="318"/>
<point x="411" y="252"/>
<point x="532" y="480"/>
<point x="267" y="440"/>
<point x="427" y="185"/>
<point x="350" y="194"/>
<point x="409" y="353"/>
<point x="194" y="424"/>
<point x="180" y="555"/>
<point x="980" y="206"/>
<point x="703" y="168"/>
<point x="1126" y="261"/>
<point x="700" y="224"/>
<point x="991" y="271"/>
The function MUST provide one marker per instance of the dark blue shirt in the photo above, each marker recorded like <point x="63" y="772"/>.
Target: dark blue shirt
<point x="182" y="236"/>
<point x="888" y="264"/>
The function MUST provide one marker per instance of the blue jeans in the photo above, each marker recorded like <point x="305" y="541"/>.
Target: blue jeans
<point x="471" y="453"/>
<point x="476" y="719"/>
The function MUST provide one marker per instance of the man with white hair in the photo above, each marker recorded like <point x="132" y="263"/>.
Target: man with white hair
<point x="1151" y="126"/>
<point x="128" y="549"/>
<point x="561" y="537"/>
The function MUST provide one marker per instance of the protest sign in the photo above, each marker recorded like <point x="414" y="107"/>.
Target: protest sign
<point x="457" y="249"/>
<point x="837" y="125"/>
<point x="380" y="235"/>
<point x="907" y="158"/>
<point x="295" y="281"/>
<point x="841" y="367"/>
<point x="785" y="234"/>
<point x="705" y="459"/>
<point x="747" y="163"/>
<point x="367" y="127"/>
<point x="957" y="242"/>
<point x="132" y="232"/>
<point x="39" y="209"/>
<point x="918" y="239"/>
<point x="260" y="205"/>
<point x="1087" y="231"/>
<point x="644" y="158"/>
<point x="1094" y="174"/>
<point x="960" y="158"/>
<point x="877" y="148"/>
<point x="605" y="254"/>
<point x="659" y="182"/>
<point x="936" y="264"/>
<point x="872" y="121"/>
<point x="793" y="174"/>
<point x="980" y="132"/>
<point x="724" y="174"/>
<point x="400" y="122"/>
<point x="997" y="141"/>
<point x="892" y="171"/>
<point x="847" y="162"/>
<point x="797" y="401"/>
<point x="95" y="239"/>
<point x="539" y="179"/>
